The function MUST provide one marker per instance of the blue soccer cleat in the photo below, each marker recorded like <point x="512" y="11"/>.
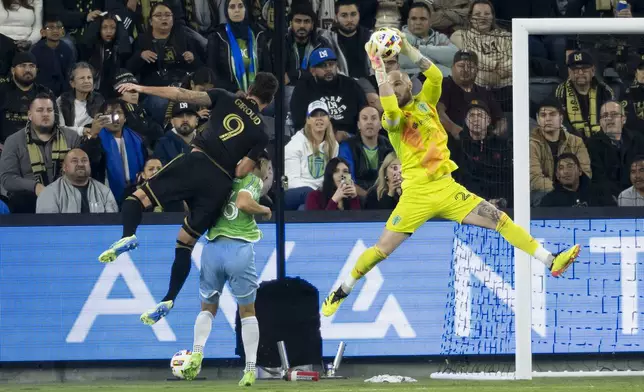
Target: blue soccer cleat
<point x="157" y="313"/>
<point x="123" y="245"/>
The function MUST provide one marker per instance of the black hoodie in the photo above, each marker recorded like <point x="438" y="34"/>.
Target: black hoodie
<point x="587" y="195"/>
<point x="343" y="96"/>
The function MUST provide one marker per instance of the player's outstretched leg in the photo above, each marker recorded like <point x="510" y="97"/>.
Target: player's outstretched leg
<point x="486" y="215"/>
<point x="388" y="242"/>
<point x="250" y="338"/>
<point x="203" y="326"/>
<point x="132" y="213"/>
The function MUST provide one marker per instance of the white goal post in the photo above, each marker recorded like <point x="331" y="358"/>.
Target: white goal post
<point x="521" y="29"/>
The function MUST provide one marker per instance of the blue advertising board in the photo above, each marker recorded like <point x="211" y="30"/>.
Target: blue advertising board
<point x="448" y="290"/>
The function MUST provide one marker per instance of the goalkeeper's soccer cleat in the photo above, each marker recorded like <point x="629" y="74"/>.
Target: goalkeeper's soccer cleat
<point x="194" y="366"/>
<point x="248" y="379"/>
<point x="157" y="313"/>
<point x="333" y="302"/>
<point x="563" y="260"/>
<point x="121" y="246"/>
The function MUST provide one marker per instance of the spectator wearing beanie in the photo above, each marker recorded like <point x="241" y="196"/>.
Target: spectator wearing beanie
<point x="136" y="116"/>
<point x="17" y="93"/>
<point x="342" y="94"/>
<point x="236" y="48"/>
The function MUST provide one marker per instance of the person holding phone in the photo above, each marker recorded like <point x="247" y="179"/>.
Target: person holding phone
<point x="338" y="190"/>
<point x="385" y="193"/>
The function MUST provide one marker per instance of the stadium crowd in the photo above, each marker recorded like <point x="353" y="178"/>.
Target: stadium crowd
<point x="69" y="143"/>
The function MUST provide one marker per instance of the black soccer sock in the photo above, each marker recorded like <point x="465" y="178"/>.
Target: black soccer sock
<point x="180" y="270"/>
<point x="132" y="213"/>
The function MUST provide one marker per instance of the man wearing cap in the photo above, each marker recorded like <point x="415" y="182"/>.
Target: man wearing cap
<point x="137" y="118"/>
<point x="342" y="94"/>
<point x="484" y="160"/>
<point x="17" y="93"/>
<point x="548" y="141"/>
<point x="582" y="94"/>
<point x="459" y="89"/>
<point x="177" y="140"/>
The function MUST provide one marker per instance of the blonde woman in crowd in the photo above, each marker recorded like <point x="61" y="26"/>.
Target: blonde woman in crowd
<point x="307" y="154"/>
<point x="385" y="193"/>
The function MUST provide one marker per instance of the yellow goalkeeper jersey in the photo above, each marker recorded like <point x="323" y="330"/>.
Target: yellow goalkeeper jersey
<point x="417" y="135"/>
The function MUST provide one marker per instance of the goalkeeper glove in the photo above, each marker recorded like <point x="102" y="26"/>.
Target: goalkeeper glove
<point x="376" y="63"/>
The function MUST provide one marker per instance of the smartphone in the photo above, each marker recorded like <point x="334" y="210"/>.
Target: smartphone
<point x="346" y="180"/>
<point x="110" y="118"/>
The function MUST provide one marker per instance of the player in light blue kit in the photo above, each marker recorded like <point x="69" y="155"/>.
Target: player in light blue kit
<point x="229" y="256"/>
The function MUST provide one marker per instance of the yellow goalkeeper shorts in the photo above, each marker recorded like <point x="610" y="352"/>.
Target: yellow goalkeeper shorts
<point x="443" y="198"/>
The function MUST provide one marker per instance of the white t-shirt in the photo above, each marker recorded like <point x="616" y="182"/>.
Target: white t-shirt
<point x="630" y="198"/>
<point x="22" y="23"/>
<point x="81" y="117"/>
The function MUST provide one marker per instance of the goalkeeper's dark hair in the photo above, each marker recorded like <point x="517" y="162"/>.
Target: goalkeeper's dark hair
<point x="420" y="4"/>
<point x="340" y="3"/>
<point x="264" y="87"/>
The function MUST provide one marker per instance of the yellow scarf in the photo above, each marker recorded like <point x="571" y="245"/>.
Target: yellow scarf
<point x="59" y="150"/>
<point x="586" y="126"/>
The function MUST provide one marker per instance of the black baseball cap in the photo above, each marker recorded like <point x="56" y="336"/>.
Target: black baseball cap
<point x="580" y="59"/>
<point x="466" y="55"/>
<point x="478" y="104"/>
<point x="180" y="108"/>
<point x="550" y="102"/>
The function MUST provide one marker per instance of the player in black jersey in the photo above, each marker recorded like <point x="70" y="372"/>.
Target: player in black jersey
<point x="228" y="147"/>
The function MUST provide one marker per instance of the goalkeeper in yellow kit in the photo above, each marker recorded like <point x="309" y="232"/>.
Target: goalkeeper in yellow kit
<point x="429" y="190"/>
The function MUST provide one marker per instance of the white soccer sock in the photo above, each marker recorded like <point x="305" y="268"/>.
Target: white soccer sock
<point x="203" y="325"/>
<point x="544" y="256"/>
<point x="250" y="337"/>
<point x="348" y="284"/>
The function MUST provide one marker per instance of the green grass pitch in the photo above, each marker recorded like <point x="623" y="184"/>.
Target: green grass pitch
<point x="621" y="384"/>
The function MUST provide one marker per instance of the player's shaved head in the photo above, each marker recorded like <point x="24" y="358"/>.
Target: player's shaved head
<point x="402" y="86"/>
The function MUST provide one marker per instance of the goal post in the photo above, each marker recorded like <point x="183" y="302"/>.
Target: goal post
<point x="521" y="30"/>
<point x="522" y="269"/>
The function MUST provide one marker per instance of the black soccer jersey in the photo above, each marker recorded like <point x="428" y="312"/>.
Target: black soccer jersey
<point x="234" y="131"/>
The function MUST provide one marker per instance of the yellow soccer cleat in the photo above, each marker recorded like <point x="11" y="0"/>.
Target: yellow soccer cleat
<point x="123" y="245"/>
<point x="333" y="302"/>
<point x="563" y="260"/>
<point x="248" y="379"/>
<point x="194" y="366"/>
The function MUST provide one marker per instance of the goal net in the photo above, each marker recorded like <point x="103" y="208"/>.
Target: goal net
<point x="503" y="306"/>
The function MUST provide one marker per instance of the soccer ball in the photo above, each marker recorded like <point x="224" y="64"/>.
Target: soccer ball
<point x="387" y="42"/>
<point x="179" y="362"/>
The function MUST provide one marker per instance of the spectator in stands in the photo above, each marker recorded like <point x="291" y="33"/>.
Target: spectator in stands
<point x="306" y="155"/>
<point x="613" y="149"/>
<point x="634" y="99"/>
<point x="136" y="116"/>
<point x="76" y="191"/>
<point x="106" y="46"/>
<point x="17" y="93"/>
<point x="78" y="107"/>
<point x="302" y="39"/>
<point x="235" y="50"/>
<point x="151" y="167"/>
<point x="573" y="188"/>
<point x="484" y="160"/>
<point x="432" y="44"/>
<point x="548" y="141"/>
<point x="202" y="79"/>
<point x="493" y="47"/>
<point x="338" y="191"/>
<point x="163" y="55"/>
<point x="448" y="16"/>
<point x="75" y="14"/>
<point x="8" y="49"/>
<point x="59" y="58"/>
<point x="365" y="152"/>
<point x="350" y="39"/>
<point x="21" y="20"/>
<point x="33" y="157"/>
<point x="634" y="196"/>
<point x="119" y="153"/>
<point x="342" y="94"/>
<point x="582" y="94"/>
<point x="385" y="193"/>
<point x="459" y="90"/>
<point x="177" y="140"/>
